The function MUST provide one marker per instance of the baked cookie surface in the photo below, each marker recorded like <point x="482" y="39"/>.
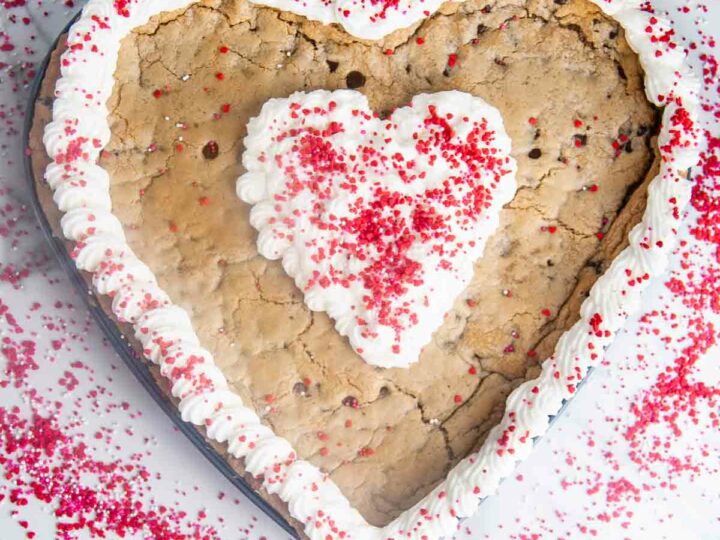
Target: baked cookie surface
<point x="568" y="87"/>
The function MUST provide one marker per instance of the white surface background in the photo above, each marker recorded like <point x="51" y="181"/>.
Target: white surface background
<point x="540" y="500"/>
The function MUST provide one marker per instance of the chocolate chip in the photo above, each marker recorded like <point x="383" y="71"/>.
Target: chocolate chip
<point x="613" y="34"/>
<point x="501" y="62"/>
<point x="550" y="263"/>
<point x="211" y="150"/>
<point x="581" y="139"/>
<point x="628" y="147"/>
<point x="481" y="29"/>
<point x="487" y="9"/>
<point x="384" y="392"/>
<point x="595" y="265"/>
<point x="537" y="134"/>
<point x="642" y="130"/>
<point x="300" y="389"/>
<point x="561" y="2"/>
<point x="355" y="79"/>
<point x="575" y="28"/>
<point x="332" y="65"/>
<point x="535" y="153"/>
<point x="351" y="401"/>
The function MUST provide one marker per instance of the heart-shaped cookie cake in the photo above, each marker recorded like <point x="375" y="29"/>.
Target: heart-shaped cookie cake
<point x="373" y="318"/>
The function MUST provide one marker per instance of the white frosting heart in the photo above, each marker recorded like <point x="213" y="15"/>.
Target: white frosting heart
<point x="378" y="221"/>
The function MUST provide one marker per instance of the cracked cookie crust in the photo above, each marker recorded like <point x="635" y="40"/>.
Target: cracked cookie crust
<point x="568" y="87"/>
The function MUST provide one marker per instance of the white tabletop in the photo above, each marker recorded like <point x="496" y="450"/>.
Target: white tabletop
<point x="581" y="480"/>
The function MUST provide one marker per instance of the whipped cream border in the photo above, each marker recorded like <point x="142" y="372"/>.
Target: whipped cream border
<point x="79" y="131"/>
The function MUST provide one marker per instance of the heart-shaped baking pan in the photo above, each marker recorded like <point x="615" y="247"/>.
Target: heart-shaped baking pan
<point x="387" y="438"/>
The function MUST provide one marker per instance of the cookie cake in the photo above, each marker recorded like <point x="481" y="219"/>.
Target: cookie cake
<point x="370" y="247"/>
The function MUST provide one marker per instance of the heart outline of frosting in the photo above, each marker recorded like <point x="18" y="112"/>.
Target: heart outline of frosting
<point x="205" y="396"/>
